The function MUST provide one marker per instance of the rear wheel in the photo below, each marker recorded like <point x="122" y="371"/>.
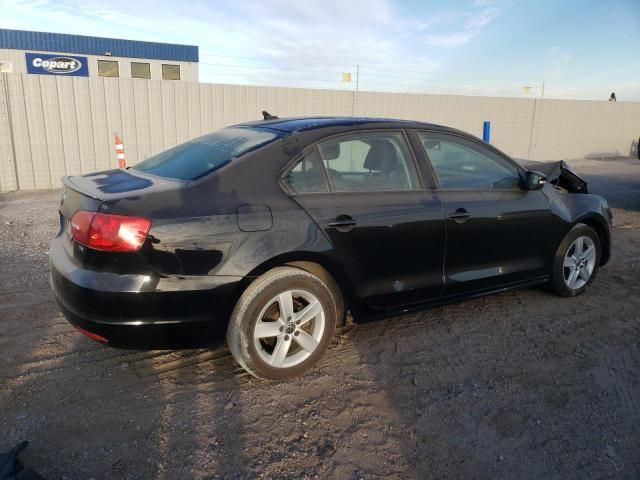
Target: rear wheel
<point x="282" y="324"/>
<point x="576" y="262"/>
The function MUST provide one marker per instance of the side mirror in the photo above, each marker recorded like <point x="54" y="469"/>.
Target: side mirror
<point x="533" y="180"/>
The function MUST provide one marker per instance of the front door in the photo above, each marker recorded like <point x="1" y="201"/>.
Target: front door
<point x="498" y="233"/>
<point x="387" y="230"/>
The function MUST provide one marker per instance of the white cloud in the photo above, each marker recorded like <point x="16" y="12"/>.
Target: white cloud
<point x="474" y="24"/>
<point x="481" y="20"/>
<point x="449" y="40"/>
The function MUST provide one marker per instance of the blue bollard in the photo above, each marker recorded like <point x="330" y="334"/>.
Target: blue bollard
<point x="486" y="131"/>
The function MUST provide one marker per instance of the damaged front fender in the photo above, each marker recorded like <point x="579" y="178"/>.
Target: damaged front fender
<point x="559" y="175"/>
<point x="569" y="210"/>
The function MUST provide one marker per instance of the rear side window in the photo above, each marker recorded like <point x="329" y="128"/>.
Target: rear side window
<point x="205" y="154"/>
<point x="362" y="162"/>
<point x="307" y="176"/>
<point x="369" y="162"/>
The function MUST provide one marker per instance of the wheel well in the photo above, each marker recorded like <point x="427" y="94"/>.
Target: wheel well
<point x="328" y="279"/>
<point x="332" y="275"/>
<point x="602" y="235"/>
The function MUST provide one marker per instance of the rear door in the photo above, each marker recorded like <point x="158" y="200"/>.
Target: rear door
<point x="498" y="233"/>
<point x="364" y="191"/>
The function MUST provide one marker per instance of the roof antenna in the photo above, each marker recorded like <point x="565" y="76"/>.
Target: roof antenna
<point x="268" y="116"/>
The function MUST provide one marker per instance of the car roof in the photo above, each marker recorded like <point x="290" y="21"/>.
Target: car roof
<point x="297" y="124"/>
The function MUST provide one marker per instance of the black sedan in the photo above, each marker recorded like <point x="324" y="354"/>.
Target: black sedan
<point x="274" y="231"/>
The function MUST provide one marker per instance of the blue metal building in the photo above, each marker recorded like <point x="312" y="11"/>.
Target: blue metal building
<point x="78" y="55"/>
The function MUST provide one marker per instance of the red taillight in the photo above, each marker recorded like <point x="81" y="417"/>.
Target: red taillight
<point x="105" y="231"/>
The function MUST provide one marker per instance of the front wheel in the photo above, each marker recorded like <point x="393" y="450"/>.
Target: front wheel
<point x="282" y="324"/>
<point x="576" y="262"/>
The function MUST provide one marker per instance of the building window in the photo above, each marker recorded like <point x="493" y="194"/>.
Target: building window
<point x="140" y="70"/>
<point x="170" y="72"/>
<point x="108" y="68"/>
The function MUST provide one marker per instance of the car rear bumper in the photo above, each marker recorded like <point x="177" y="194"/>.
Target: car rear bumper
<point x="127" y="311"/>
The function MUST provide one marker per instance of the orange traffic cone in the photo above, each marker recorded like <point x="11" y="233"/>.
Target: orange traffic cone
<point x="122" y="162"/>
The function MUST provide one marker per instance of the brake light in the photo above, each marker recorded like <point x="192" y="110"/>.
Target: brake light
<point x="105" y="231"/>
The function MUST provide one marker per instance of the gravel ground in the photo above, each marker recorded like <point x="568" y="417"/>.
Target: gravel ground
<point x="517" y="385"/>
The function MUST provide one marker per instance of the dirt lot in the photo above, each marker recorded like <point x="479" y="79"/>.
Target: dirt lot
<point x="518" y="385"/>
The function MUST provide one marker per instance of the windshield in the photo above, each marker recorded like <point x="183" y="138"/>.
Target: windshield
<point x="202" y="155"/>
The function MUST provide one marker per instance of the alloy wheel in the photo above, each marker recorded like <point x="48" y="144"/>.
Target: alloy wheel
<point x="579" y="262"/>
<point x="289" y="328"/>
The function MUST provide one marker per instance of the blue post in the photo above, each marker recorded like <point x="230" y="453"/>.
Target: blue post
<point x="486" y="131"/>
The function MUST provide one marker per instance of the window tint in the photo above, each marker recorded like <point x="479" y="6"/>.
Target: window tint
<point x="205" y="154"/>
<point x="375" y="161"/>
<point x="463" y="164"/>
<point x="140" y="70"/>
<point x="170" y="72"/>
<point x="307" y="176"/>
<point x="108" y="68"/>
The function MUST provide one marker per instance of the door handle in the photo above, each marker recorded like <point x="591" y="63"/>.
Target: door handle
<point x="460" y="215"/>
<point x="343" y="223"/>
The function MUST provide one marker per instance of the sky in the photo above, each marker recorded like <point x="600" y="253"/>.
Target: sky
<point x="577" y="49"/>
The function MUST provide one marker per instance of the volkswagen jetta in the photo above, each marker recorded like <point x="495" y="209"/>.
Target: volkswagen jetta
<point x="271" y="232"/>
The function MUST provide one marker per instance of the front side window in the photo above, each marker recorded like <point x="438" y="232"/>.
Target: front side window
<point x="205" y="154"/>
<point x="140" y="70"/>
<point x="368" y="162"/>
<point x="463" y="164"/>
<point x="108" y="68"/>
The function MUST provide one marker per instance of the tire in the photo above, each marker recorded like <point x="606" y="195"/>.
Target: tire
<point x="286" y="311"/>
<point x="566" y="281"/>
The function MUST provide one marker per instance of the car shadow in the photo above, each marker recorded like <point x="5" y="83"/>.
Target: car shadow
<point x="93" y="411"/>
<point x="460" y="391"/>
<point x="200" y="418"/>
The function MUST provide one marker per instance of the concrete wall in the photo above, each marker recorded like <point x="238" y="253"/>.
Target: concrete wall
<point x="188" y="70"/>
<point x="52" y="126"/>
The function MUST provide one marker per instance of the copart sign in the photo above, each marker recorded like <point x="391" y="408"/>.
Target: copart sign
<point x="53" y="64"/>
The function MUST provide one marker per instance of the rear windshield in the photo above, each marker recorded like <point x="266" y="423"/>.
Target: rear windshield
<point x="202" y="155"/>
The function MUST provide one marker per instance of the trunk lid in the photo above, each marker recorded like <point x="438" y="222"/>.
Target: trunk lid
<point x="117" y="184"/>
<point x="107" y="188"/>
